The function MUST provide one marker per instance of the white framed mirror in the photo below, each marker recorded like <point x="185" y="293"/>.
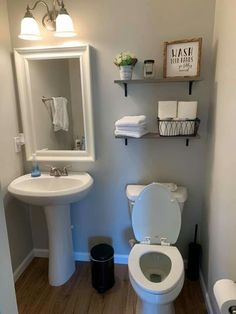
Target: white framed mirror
<point x="54" y="85"/>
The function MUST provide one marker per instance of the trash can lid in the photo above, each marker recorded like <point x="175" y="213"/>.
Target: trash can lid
<point x="102" y="252"/>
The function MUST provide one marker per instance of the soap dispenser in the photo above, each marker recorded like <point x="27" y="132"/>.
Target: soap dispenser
<point x="35" y="172"/>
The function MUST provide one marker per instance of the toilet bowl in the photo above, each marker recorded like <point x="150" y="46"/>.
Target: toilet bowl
<point x="156" y="268"/>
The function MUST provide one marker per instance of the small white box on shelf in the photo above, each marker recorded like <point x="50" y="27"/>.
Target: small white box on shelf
<point x="187" y="110"/>
<point x="167" y="109"/>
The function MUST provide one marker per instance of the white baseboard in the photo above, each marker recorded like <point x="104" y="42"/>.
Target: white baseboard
<point x="23" y="265"/>
<point x="121" y="259"/>
<point x="41" y="253"/>
<point x="83" y="256"/>
<point x="205" y="294"/>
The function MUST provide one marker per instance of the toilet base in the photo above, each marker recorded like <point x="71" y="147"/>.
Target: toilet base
<point x="150" y="308"/>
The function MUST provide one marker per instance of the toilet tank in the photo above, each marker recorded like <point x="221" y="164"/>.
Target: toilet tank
<point x="179" y="193"/>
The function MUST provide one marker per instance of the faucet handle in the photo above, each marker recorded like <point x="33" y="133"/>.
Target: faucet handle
<point x="54" y="171"/>
<point x="51" y="169"/>
<point x="64" y="171"/>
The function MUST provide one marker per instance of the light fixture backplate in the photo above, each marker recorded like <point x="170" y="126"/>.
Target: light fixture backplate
<point x="49" y="21"/>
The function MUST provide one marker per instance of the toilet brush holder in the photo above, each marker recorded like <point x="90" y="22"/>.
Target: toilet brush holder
<point x="194" y="252"/>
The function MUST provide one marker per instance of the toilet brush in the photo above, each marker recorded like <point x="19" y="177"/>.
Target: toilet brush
<point x="194" y="251"/>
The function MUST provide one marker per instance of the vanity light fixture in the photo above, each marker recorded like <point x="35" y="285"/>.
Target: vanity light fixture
<point x="56" y="19"/>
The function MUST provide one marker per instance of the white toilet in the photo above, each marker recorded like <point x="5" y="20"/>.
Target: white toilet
<point x="156" y="268"/>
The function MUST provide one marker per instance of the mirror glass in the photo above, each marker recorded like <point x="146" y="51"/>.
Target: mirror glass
<point x="57" y="104"/>
<point x="54" y="85"/>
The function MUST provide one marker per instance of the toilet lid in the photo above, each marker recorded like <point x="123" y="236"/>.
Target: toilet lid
<point x="156" y="214"/>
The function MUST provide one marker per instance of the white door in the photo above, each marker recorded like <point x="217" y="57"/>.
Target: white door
<point x="7" y="289"/>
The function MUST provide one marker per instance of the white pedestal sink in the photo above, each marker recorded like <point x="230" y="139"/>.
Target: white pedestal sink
<point x="55" y="194"/>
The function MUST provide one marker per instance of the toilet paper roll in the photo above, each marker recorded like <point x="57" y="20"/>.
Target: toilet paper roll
<point x="225" y="294"/>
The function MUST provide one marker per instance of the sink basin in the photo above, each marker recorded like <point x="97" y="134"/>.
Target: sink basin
<point x="48" y="190"/>
<point x="55" y="194"/>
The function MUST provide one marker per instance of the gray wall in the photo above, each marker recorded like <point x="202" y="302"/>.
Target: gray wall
<point x="219" y="219"/>
<point x="141" y="27"/>
<point x="11" y="165"/>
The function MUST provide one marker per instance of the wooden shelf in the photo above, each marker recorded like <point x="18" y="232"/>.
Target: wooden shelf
<point x="189" y="80"/>
<point x="157" y="136"/>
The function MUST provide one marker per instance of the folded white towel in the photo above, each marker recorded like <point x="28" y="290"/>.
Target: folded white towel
<point x="60" y="118"/>
<point x="135" y="134"/>
<point x="132" y="128"/>
<point x="167" y="109"/>
<point x="131" y="121"/>
<point x="187" y="110"/>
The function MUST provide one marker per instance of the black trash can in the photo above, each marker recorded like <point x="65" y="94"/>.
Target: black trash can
<point x="102" y="267"/>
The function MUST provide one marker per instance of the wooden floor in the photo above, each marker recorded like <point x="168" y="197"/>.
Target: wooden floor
<point x="35" y="295"/>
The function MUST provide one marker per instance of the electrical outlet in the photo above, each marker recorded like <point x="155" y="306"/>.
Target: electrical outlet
<point x="18" y="142"/>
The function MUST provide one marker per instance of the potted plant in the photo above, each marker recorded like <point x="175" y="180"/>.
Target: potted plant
<point x="125" y="61"/>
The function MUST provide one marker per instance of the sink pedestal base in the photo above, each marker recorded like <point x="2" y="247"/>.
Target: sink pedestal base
<point x="61" y="259"/>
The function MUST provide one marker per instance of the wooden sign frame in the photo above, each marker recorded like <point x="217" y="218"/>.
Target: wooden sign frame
<point x="182" y="58"/>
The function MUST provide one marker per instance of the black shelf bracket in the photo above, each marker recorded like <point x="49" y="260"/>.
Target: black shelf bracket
<point x="126" y="89"/>
<point x="126" y="141"/>
<point x="190" y="85"/>
<point x="187" y="142"/>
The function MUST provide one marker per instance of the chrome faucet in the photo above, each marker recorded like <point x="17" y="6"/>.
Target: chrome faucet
<point x="58" y="172"/>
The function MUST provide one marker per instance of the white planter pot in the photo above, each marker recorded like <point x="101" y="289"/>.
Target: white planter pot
<point x="126" y="72"/>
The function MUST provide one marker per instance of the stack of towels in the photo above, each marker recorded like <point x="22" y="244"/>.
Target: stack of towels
<point x="174" y="111"/>
<point x="132" y="126"/>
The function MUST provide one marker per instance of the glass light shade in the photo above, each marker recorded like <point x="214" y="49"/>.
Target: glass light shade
<point x="64" y="26"/>
<point x="29" y="29"/>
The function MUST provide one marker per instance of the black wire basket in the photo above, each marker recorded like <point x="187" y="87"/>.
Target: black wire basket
<point x="170" y="127"/>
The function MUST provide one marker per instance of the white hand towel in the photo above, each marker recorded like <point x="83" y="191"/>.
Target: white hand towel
<point x="59" y="114"/>
<point x="187" y="110"/>
<point x="135" y="134"/>
<point x="131" y="121"/>
<point x="167" y="109"/>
